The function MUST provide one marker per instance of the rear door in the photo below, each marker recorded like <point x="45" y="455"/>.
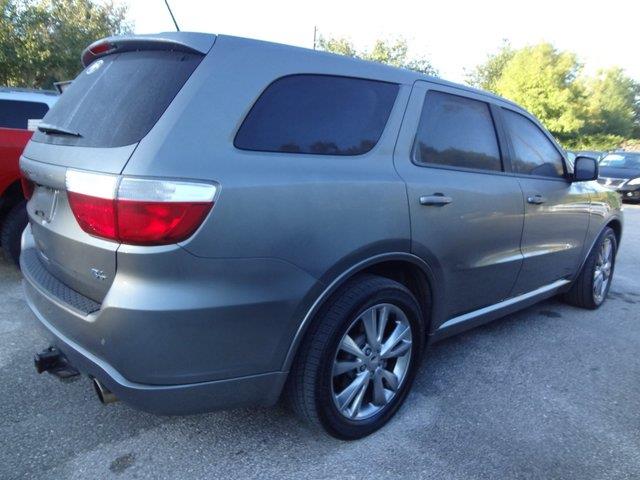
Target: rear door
<point x="466" y="211"/>
<point x="105" y="112"/>
<point x="556" y="210"/>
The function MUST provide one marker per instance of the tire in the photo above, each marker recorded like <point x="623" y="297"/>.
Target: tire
<point x="313" y="390"/>
<point x="583" y="292"/>
<point x="11" y="231"/>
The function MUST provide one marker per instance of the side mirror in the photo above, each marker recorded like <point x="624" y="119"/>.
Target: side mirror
<point x="585" y="169"/>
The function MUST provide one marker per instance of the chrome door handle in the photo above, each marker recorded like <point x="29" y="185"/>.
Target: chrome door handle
<point x="536" y="199"/>
<point x="437" y="199"/>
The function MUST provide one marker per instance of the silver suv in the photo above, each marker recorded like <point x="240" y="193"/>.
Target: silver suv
<point x="217" y="221"/>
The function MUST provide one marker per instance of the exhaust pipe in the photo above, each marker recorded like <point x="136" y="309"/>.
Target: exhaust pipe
<point x="104" y="394"/>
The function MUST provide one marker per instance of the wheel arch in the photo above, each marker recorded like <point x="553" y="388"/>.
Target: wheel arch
<point x="616" y="225"/>
<point x="9" y="197"/>
<point x="406" y="268"/>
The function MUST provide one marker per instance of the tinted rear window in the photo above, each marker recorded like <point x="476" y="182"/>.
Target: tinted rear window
<point x="457" y="132"/>
<point x="318" y="114"/>
<point x="117" y="99"/>
<point x="16" y="113"/>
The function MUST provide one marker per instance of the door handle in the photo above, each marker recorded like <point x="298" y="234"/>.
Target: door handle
<point x="437" y="199"/>
<point x="536" y="199"/>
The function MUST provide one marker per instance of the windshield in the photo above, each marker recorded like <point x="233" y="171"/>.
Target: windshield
<point x="621" y="160"/>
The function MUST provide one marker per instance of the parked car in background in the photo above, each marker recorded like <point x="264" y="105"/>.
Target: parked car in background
<point x="212" y="226"/>
<point x="590" y="154"/>
<point x="18" y="107"/>
<point x="620" y="171"/>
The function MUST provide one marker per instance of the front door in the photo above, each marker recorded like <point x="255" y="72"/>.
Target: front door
<point x="556" y="210"/>
<point x="466" y="212"/>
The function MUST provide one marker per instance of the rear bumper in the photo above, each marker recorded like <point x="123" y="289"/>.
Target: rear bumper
<point x="215" y="337"/>
<point x="253" y="390"/>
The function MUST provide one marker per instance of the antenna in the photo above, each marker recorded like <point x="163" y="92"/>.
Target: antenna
<point x="166" y="2"/>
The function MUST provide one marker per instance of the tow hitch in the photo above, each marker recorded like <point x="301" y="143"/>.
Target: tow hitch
<point x="53" y="361"/>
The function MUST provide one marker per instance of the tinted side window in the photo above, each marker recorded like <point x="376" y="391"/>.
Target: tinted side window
<point x="534" y="152"/>
<point x="16" y="114"/>
<point x="318" y="114"/>
<point x="458" y="132"/>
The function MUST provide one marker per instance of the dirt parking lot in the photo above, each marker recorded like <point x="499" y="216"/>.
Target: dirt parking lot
<point x="550" y="392"/>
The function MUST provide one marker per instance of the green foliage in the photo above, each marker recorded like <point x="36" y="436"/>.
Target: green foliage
<point x="390" y="52"/>
<point x="341" y="46"/>
<point x="41" y="40"/>
<point x="542" y="80"/>
<point x="611" y="103"/>
<point x="632" y="144"/>
<point x="582" y="112"/>
<point x="485" y="76"/>
<point x="598" y="141"/>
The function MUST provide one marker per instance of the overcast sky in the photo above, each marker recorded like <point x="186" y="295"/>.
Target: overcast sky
<point x="454" y="34"/>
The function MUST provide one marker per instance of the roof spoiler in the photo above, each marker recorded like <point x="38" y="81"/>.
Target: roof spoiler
<point x="177" y="41"/>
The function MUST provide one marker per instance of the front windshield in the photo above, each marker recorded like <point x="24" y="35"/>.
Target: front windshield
<point x="621" y="160"/>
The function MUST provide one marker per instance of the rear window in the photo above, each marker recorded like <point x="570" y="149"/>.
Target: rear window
<point x="16" y="113"/>
<point x="117" y="99"/>
<point x="318" y="114"/>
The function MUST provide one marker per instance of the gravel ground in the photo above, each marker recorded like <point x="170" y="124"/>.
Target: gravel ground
<point x="550" y="392"/>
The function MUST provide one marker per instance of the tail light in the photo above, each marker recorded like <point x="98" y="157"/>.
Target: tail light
<point x="138" y="211"/>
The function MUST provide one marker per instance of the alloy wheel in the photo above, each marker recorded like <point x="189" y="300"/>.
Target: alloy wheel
<point x="371" y="361"/>
<point x="602" y="271"/>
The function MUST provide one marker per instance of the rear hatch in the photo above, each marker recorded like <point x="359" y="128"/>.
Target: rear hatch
<point x="95" y="126"/>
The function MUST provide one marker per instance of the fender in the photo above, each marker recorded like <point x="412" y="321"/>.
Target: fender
<point x="595" y="239"/>
<point x="341" y="279"/>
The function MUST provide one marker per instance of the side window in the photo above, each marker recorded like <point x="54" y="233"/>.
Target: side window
<point x="458" y="132"/>
<point x="318" y="114"/>
<point x="534" y="152"/>
<point x="16" y="114"/>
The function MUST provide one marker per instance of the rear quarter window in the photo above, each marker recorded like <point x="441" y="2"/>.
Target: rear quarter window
<point x="318" y="114"/>
<point x="17" y="113"/>
<point x="117" y="99"/>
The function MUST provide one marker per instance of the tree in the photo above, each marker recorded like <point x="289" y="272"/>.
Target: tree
<point x="595" y="113"/>
<point x="41" y="40"/>
<point x="542" y="80"/>
<point x="390" y="52"/>
<point x="341" y="46"/>
<point x="486" y="75"/>
<point x="611" y="103"/>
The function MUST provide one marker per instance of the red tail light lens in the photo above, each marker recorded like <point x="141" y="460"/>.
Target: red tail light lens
<point x="157" y="223"/>
<point x="95" y="215"/>
<point x="138" y="211"/>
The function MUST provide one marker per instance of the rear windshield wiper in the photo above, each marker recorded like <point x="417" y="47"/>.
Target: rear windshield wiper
<point x="47" y="128"/>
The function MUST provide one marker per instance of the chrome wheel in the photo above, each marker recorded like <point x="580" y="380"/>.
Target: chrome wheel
<point x="602" y="271"/>
<point x="371" y="362"/>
